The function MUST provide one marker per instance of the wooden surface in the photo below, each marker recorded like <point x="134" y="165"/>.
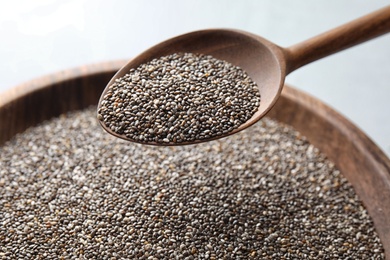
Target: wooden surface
<point x="355" y="32"/>
<point x="30" y="103"/>
<point x="357" y="157"/>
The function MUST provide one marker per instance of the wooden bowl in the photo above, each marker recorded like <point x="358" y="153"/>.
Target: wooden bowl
<point x="365" y="166"/>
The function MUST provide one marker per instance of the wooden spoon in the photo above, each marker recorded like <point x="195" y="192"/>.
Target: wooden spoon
<point x="265" y="62"/>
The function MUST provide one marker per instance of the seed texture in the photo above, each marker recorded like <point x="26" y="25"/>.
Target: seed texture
<point x="178" y="98"/>
<point x="70" y="191"/>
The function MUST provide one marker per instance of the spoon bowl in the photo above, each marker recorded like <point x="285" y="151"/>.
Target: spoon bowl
<point x="265" y="62"/>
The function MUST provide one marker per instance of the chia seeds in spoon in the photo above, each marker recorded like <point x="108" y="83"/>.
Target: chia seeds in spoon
<point x="182" y="97"/>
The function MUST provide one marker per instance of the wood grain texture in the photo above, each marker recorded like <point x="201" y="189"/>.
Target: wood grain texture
<point x="355" y="32"/>
<point x="43" y="98"/>
<point x="365" y="166"/>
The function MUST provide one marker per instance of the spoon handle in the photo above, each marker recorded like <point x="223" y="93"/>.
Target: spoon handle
<point x="338" y="39"/>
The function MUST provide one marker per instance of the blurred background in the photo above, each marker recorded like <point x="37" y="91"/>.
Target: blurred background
<point x="44" y="36"/>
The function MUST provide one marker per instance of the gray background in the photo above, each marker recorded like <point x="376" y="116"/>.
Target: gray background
<point x="42" y="36"/>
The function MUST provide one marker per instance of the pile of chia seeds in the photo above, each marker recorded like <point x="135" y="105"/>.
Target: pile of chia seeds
<point x="182" y="97"/>
<point x="68" y="190"/>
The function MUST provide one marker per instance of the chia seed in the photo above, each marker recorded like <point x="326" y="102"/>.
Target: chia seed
<point x="182" y="97"/>
<point x="70" y="191"/>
